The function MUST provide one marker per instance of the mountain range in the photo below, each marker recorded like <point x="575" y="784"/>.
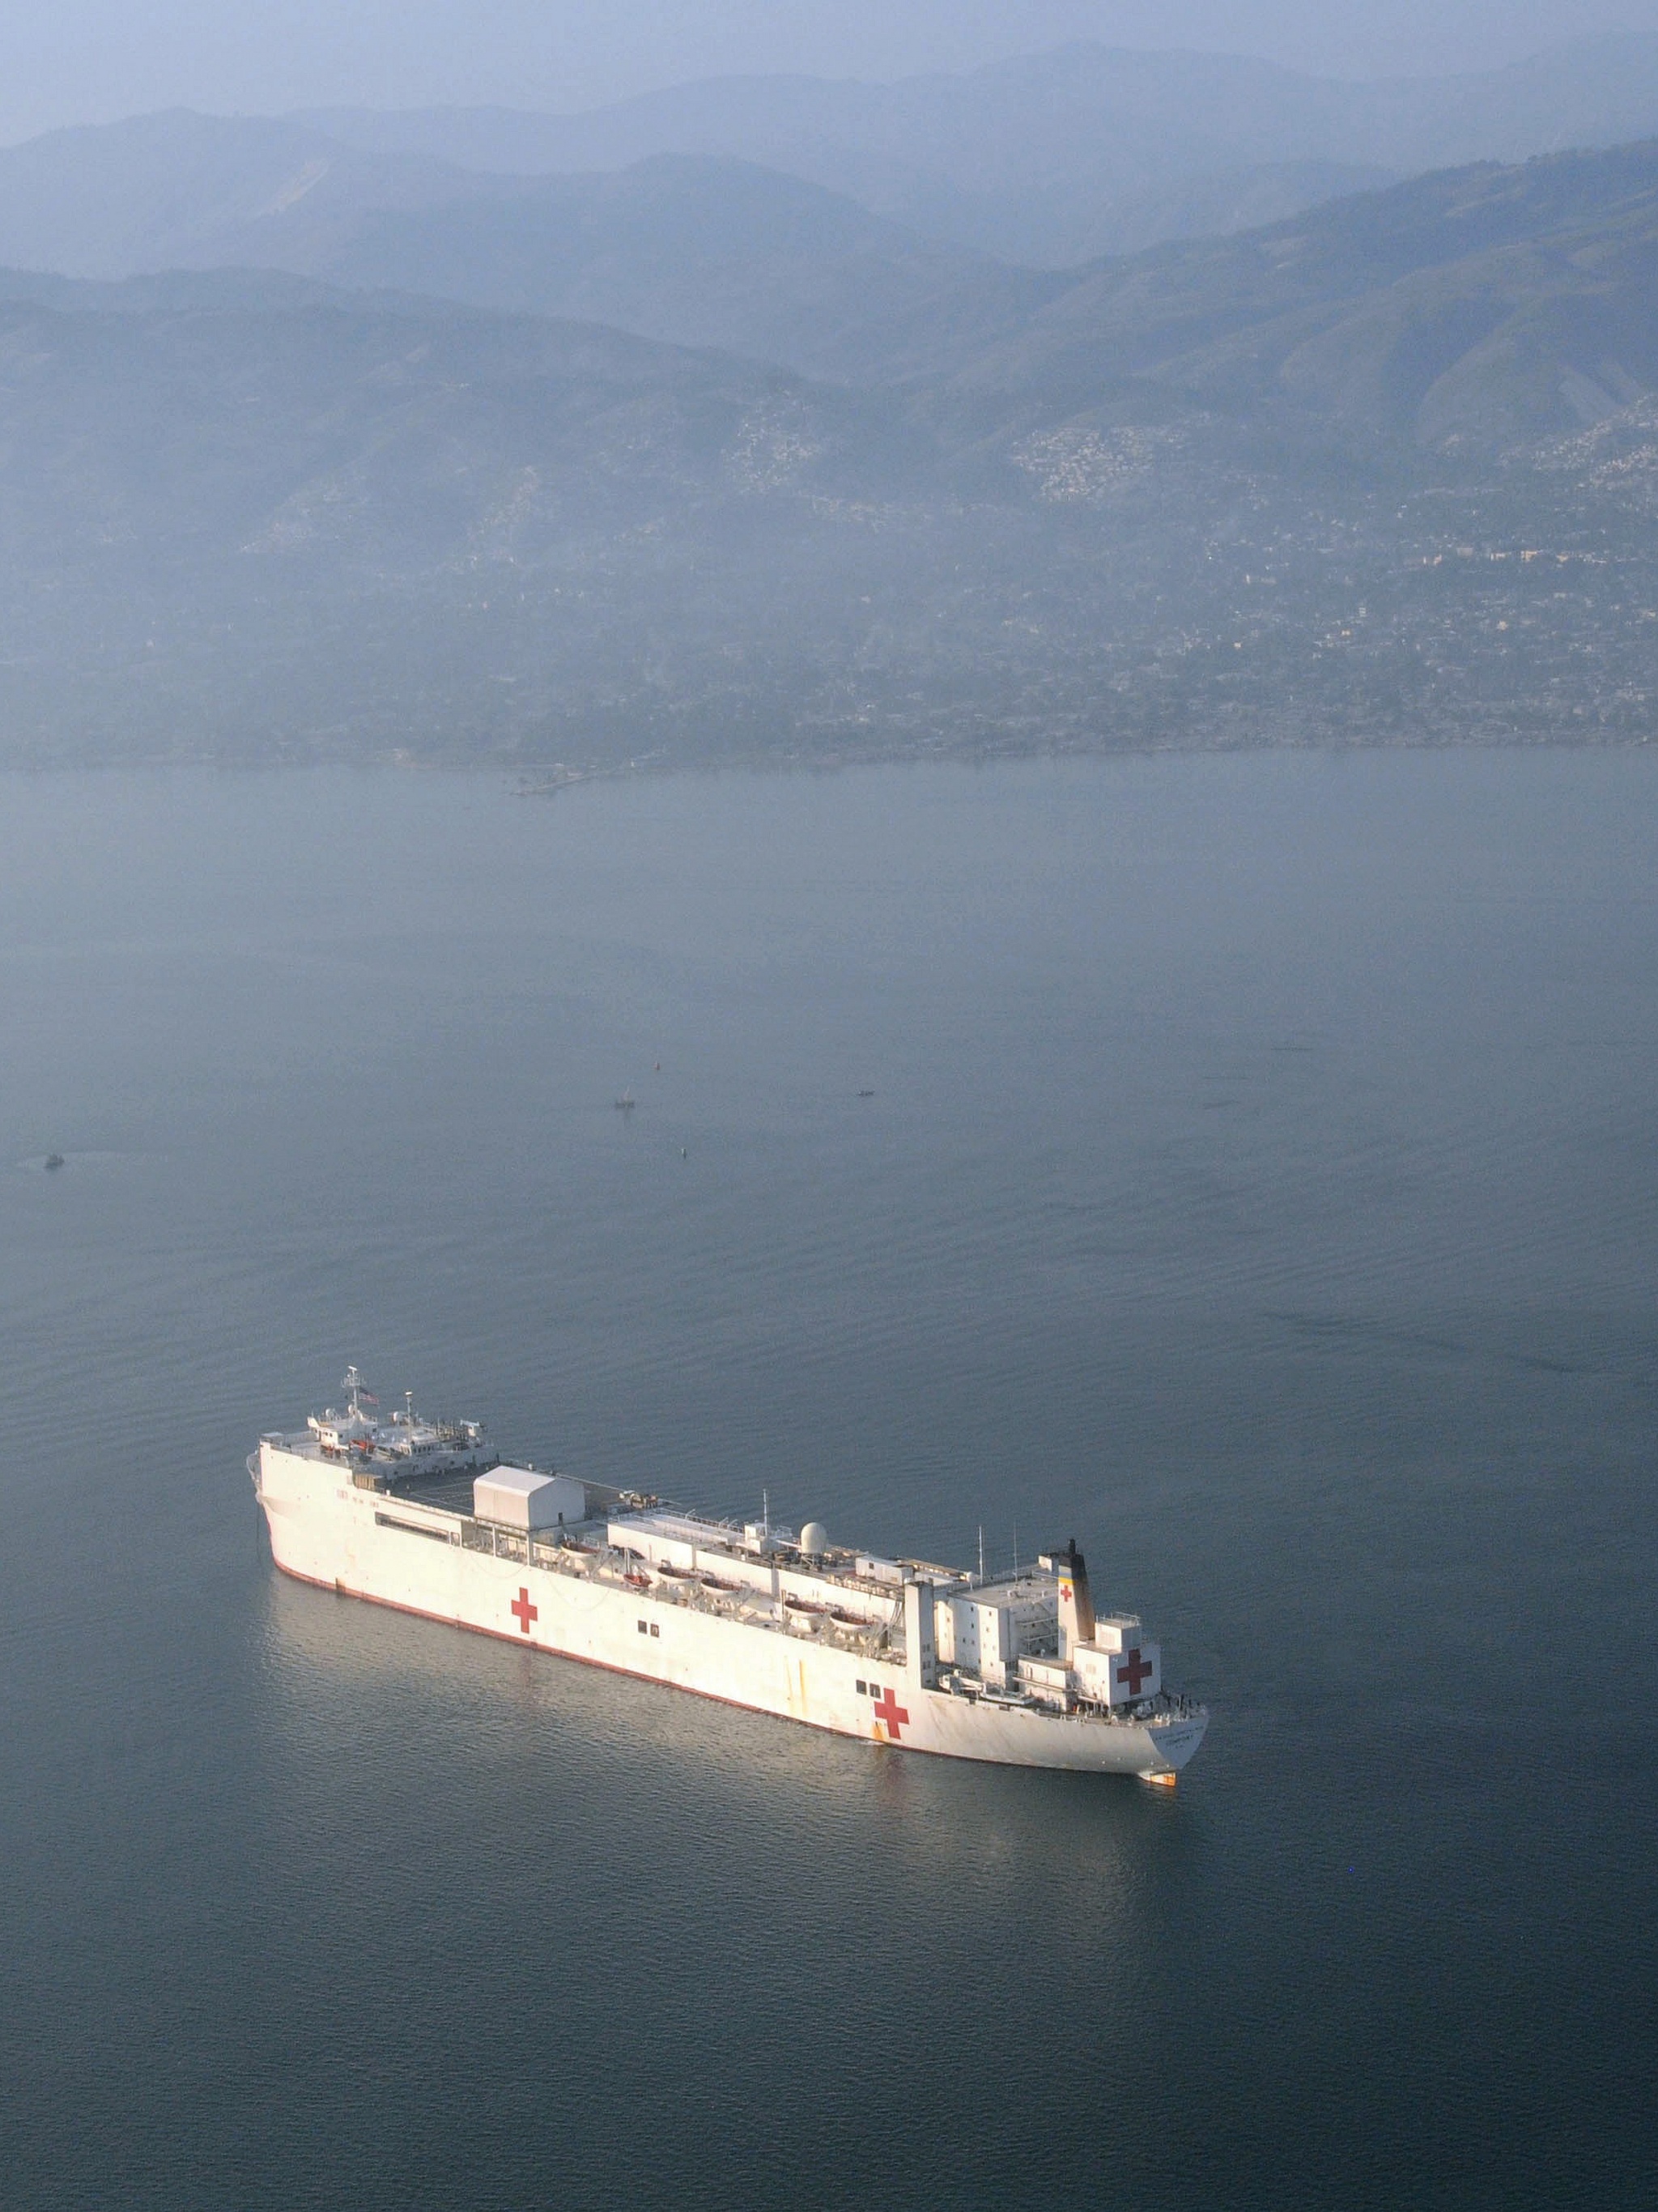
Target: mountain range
<point x="1061" y="157"/>
<point x="1047" y="161"/>
<point x="1483" y="301"/>
<point x="1469" y="307"/>
<point x="697" y="460"/>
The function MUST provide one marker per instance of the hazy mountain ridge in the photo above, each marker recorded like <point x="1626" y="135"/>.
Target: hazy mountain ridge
<point x="1052" y="160"/>
<point x="1325" y="483"/>
<point x="183" y="190"/>
<point x="1056" y="158"/>
<point x="1484" y="305"/>
<point x="1540" y="264"/>
<point x="698" y="251"/>
<point x="693" y="250"/>
<point x="1353" y="327"/>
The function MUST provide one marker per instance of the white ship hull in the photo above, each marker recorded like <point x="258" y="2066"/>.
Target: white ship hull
<point x="395" y="1551"/>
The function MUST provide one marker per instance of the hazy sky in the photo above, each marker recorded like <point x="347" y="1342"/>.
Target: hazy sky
<point x="66" y="61"/>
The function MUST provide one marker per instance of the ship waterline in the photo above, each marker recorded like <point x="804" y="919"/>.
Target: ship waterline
<point x="1019" y="1671"/>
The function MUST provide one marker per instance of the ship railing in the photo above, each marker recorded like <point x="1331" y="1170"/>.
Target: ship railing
<point x="1167" y="1704"/>
<point x="611" y="1564"/>
<point x="730" y="1535"/>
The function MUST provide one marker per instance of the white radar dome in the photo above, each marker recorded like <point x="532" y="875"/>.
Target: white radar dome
<point x="814" y="1540"/>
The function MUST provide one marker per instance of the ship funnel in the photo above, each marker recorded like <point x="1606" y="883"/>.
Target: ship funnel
<point x="1076" y="1600"/>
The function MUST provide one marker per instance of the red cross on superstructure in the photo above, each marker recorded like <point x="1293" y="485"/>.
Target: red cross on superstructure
<point x="890" y="1714"/>
<point x="524" y="1610"/>
<point x="1135" y="1671"/>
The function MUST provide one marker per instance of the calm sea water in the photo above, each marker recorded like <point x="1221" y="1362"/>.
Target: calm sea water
<point x="1260" y="1182"/>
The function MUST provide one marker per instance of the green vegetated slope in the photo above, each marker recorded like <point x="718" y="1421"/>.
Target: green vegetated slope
<point x="1385" y="472"/>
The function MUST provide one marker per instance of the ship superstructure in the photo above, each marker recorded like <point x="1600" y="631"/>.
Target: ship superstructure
<point x="425" y="1516"/>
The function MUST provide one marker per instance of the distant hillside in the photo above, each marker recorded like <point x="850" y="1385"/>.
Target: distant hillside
<point x="706" y="251"/>
<point x="694" y="249"/>
<point x="146" y="422"/>
<point x="1222" y="202"/>
<point x="1059" y="157"/>
<point x="255" y="520"/>
<point x="1382" y="473"/>
<point x="181" y="191"/>
<point x="1487" y="305"/>
<point x="1051" y="161"/>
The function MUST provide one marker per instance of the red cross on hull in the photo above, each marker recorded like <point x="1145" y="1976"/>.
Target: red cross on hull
<point x="523" y="1611"/>
<point x="891" y="1715"/>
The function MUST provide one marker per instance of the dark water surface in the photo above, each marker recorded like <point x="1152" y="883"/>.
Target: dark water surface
<point x="1260" y="1183"/>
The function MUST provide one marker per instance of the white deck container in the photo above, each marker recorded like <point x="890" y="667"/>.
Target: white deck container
<point x="518" y="1497"/>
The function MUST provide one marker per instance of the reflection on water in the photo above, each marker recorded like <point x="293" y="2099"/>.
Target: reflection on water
<point x="1249" y="1167"/>
<point x="338" y="1675"/>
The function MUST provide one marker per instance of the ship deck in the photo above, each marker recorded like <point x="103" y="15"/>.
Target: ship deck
<point x="757" y="1593"/>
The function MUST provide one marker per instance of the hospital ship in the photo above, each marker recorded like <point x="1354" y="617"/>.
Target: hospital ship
<point x="1018" y="1670"/>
